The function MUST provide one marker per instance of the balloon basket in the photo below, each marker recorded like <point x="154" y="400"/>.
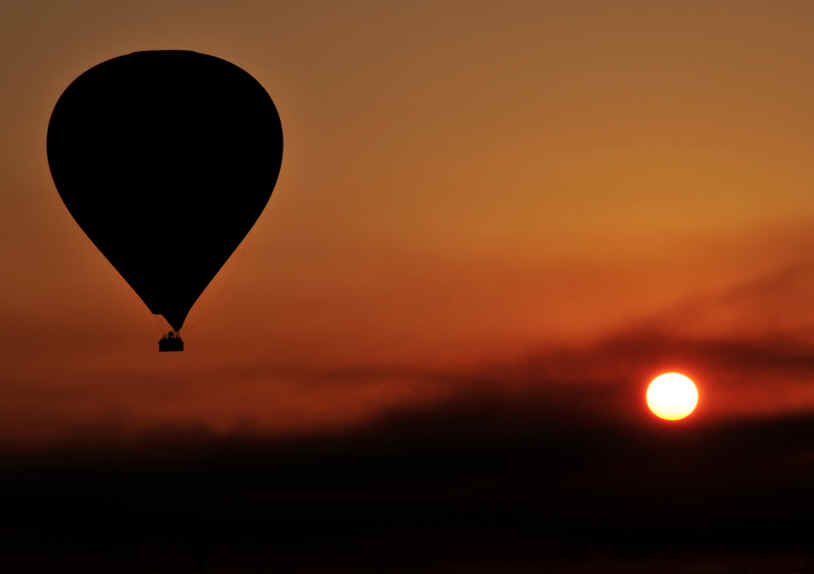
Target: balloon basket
<point x="170" y="343"/>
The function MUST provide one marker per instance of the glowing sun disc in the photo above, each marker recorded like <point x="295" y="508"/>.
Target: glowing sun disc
<point x="672" y="396"/>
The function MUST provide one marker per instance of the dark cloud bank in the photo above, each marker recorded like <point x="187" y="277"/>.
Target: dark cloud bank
<point x="547" y="463"/>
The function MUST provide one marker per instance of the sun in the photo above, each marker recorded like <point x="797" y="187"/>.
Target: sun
<point x="672" y="396"/>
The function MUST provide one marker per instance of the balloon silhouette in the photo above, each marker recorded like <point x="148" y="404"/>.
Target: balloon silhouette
<point x="165" y="159"/>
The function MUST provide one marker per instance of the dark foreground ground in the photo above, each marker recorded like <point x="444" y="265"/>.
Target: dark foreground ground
<point x="460" y="493"/>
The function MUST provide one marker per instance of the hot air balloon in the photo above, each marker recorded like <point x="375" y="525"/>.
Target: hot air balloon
<point x="165" y="159"/>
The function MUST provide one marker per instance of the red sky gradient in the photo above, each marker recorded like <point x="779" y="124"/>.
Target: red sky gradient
<point x="475" y="197"/>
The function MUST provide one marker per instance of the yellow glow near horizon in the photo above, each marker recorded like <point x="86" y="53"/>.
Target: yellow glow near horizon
<point x="672" y="396"/>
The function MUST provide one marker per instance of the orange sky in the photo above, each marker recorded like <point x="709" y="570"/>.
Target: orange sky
<point x="463" y="184"/>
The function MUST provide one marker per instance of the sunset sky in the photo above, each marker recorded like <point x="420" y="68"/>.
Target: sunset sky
<point x="494" y="224"/>
<point x="504" y="198"/>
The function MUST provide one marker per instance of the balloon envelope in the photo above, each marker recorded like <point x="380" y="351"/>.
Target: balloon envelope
<point x="165" y="159"/>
